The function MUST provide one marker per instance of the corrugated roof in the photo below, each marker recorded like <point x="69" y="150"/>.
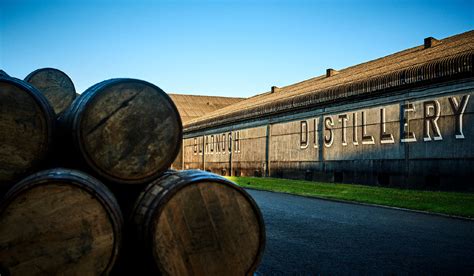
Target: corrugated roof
<point x="194" y="106"/>
<point x="387" y="72"/>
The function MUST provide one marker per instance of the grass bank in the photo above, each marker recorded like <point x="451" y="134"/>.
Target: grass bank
<point x="450" y="203"/>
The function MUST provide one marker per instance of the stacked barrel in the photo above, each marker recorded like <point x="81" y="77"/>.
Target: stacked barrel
<point x="86" y="188"/>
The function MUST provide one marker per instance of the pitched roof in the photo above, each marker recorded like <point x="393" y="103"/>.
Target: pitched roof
<point x="194" y="106"/>
<point x="437" y="59"/>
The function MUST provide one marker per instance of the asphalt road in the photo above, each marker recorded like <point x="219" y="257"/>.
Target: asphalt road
<point x="308" y="236"/>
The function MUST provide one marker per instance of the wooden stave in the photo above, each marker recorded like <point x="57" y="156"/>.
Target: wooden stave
<point x="50" y="125"/>
<point x="29" y="79"/>
<point x="65" y="152"/>
<point x="83" y="181"/>
<point x="66" y="119"/>
<point x="170" y="183"/>
<point x="3" y="73"/>
<point x="71" y="122"/>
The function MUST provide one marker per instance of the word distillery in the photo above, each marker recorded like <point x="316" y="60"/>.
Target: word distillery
<point x="409" y="116"/>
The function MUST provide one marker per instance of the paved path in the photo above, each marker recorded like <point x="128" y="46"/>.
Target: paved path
<point x="311" y="236"/>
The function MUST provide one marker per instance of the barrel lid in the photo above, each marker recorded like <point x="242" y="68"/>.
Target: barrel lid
<point x="55" y="85"/>
<point x="70" y="221"/>
<point x="128" y="130"/>
<point x="198" y="220"/>
<point x="26" y="128"/>
<point x="3" y="73"/>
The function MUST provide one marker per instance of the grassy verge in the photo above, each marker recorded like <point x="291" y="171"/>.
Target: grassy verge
<point x="450" y="203"/>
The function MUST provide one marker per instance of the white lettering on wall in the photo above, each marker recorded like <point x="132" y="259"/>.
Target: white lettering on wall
<point x="366" y="139"/>
<point x="355" y="140"/>
<point x="343" y="120"/>
<point x="428" y="125"/>
<point x="458" y="110"/>
<point x="316" y="136"/>
<point x="407" y="135"/>
<point x="431" y="111"/>
<point x="303" y="134"/>
<point x="328" y="124"/>
<point x="385" y="138"/>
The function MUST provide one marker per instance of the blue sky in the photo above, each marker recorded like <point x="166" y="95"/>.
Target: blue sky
<point x="227" y="48"/>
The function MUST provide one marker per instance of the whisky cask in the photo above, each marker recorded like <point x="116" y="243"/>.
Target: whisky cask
<point x="26" y="129"/>
<point x="55" y="85"/>
<point x="4" y="74"/>
<point x="197" y="223"/>
<point x="59" y="222"/>
<point x="126" y="130"/>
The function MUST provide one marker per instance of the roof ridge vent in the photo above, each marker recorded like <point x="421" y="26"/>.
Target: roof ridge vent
<point x="275" y="89"/>
<point x="330" y="72"/>
<point x="430" y="42"/>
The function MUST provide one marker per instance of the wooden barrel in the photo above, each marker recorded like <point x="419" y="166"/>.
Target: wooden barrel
<point x="59" y="222"/>
<point x="55" y="85"/>
<point x="3" y="73"/>
<point x="26" y="129"/>
<point x="127" y="130"/>
<point x="198" y="223"/>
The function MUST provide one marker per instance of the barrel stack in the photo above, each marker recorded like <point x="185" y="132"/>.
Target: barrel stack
<point x="86" y="186"/>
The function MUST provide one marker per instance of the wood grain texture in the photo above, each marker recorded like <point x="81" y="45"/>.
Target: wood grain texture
<point x="55" y="85"/>
<point x="127" y="130"/>
<point x="200" y="224"/>
<point x="26" y="126"/>
<point x="50" y="225"/>
<point x="4" y="74"/>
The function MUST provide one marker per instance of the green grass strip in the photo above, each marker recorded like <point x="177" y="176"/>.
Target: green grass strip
<point x="450" y="203"/>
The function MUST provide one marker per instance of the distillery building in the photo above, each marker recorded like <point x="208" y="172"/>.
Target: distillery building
<point x="401" y="120"/>
<point x="191" y="107"/>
